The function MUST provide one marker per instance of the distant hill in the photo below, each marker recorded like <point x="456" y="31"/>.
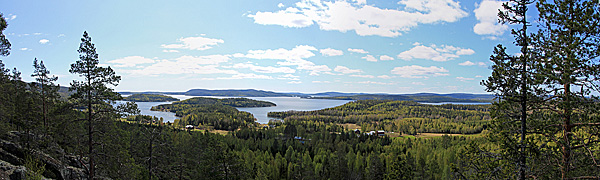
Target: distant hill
<point x="428" y="98"/>
<point x="149" y="98"/>
<point x="236" y="93"/>
<point x="418" y="97"/>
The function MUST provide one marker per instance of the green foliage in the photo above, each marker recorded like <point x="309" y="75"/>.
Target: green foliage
<point x="149" y="98"/>
<point x="416" y="98"/>
<point x="217" y="113"/>
<point x="35" y="168"/>
<point x="399" y="116"/>
<point x="4" y="43"/>
<point x="233" y="102"/>
<point x="94" y="95"/>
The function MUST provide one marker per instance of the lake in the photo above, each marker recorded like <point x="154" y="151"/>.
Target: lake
<point x="260" y="113"/>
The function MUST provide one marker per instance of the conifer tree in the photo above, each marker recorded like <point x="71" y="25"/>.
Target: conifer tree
<point x="4" y="43"/>
<point x="93" y="94"/>
<point x="45" y="87"/>
<point x="511" y="81"/>
<point x="569" y="70"/>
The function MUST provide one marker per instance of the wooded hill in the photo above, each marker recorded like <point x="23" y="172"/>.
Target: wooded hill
<point x="399" y="116"/>
<point x="149" y="98"/>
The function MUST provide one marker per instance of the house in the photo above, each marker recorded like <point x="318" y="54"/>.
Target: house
<point x="356" y="131"/>
<point x="381" y="133"/>
<point x="371" y="133"/>
<point x="189" y="126"/>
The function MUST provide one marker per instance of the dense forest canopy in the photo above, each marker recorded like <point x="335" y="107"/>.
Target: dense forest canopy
<point x="417" y="98"/>
<point x="400" y="116"/>
<point x="149" y="98"/>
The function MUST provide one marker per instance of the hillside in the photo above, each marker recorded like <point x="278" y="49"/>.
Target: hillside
<point x="427" y="98"/>
<point x="149" y="98"/>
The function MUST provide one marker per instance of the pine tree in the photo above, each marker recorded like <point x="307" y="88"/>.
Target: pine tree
<point x="569" y="46"/>
<point x="4" y="43"/>
<point x="93" y="94"/>
<point x="45" y="87"/>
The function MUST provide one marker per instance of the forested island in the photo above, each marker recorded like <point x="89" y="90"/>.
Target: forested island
<point x="149" y="98"/>
<point x="213" y="113"/>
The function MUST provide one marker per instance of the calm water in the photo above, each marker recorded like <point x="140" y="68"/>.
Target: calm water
<point x="145" y="110"/>
<point x="260" y="113"/>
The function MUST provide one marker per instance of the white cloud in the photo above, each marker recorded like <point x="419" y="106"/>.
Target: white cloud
<point x="280" y="5"/>
<point x="298" y="52"/>
<point x="10" y="17"/>
<point x="369" y="58"/>
<point x="180" y="65"/>
<point x="362" y="76"/>
<point x="465" y="79"/>
<point x="170" y="50"/>
<point x="131" y="61"/>
<point x="373" y="82"/>
<point x="346" y="70"/>
<point x="385" y="77"/>
<point x="386" y="58"/>
<point x="289" y="17"/>
<point x="267" y="69"/>
<point x="24" y="49"/>
<point x="321" y="82"/>
<point x="478" y="76"/>
<point x="487" y="15"/>
<point x="362" y="51"/>
<point x="44" y="41"/>
<point x="415" y="71"/>
<point x="294" y="82"/>
<point x="363" y="19"/>
<point x="315" y="69"/>
<point x="482" y="64"/>
<point x="194" y="43"/>
<point x="61" y="35"/>
<point x="435" y="53"/>
<point x="289" y="77"/>
<point x="247" y="76"/>
<point x="466" y="63"/>
<point x="331" y="52"/>
<point x="293" y="57"/>
<point x="418" y="83"/>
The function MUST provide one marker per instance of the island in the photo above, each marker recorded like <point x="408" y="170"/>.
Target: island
<point x="149" y="98"/>
<point x="213" y="113"/>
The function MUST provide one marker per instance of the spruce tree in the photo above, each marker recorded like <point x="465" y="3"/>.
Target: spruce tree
<point x="511" y="81"/>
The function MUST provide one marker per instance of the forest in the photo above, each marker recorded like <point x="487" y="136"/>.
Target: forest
<point x="149" y="98"/>
<point x="417" y="98"/>
<point x="544" y="123"/>
<point x="399" y="116"/>
<point x="213" y="113"/>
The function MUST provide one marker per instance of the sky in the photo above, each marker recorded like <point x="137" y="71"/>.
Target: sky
<point x="384" y="46"/>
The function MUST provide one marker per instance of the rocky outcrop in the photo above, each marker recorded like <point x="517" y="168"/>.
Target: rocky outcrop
<point x="13" y="159"/>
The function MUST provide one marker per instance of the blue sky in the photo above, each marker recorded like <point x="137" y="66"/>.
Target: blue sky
<point x="406" y="46"/>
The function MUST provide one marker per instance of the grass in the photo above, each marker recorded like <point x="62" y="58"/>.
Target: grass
<point x="350" y="126"/>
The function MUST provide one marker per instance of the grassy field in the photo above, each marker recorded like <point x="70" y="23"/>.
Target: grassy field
<point x="350" y="126"/>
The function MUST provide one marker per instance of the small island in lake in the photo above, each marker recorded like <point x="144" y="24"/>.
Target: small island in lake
<point x="149" y="98"/>
<point x="213" y="113"/>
